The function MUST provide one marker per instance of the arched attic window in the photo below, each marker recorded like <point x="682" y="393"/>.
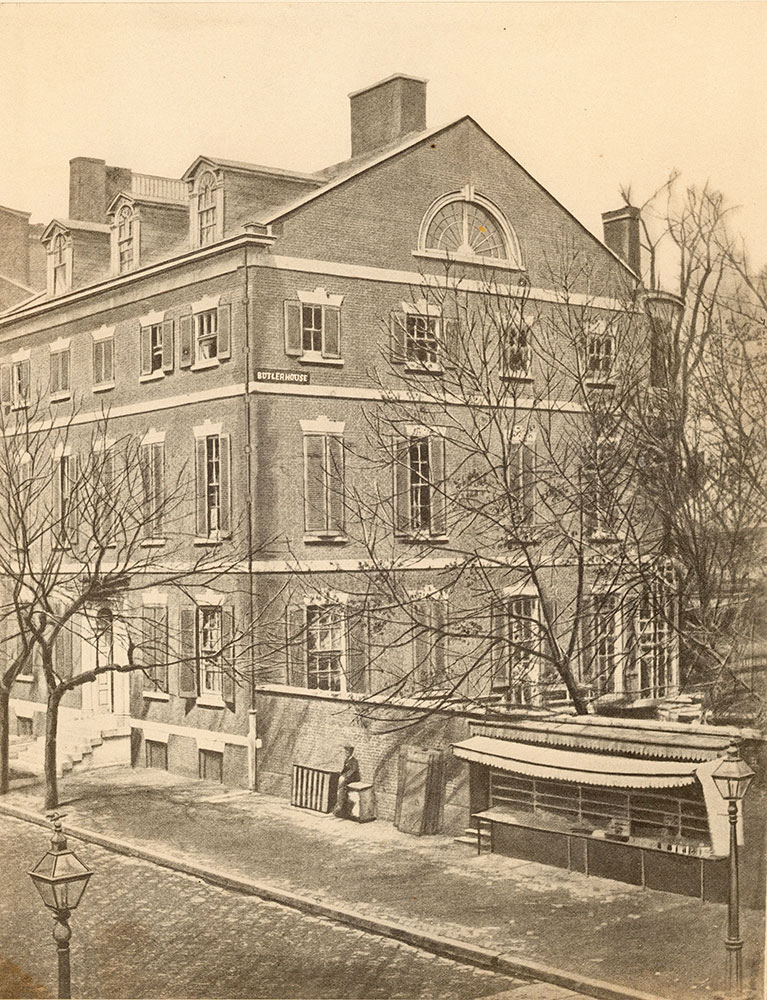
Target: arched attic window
<point x="60" y="264"/>
<point x="466" y="226"/>
<point x="207" y="209"/>
<point x="125" y="239"/>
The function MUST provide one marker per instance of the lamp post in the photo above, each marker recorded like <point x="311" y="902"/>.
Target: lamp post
<point x="60" y="877"/>
<point x="732" y="778"/>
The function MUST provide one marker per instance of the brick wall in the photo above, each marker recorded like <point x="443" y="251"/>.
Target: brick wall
<point x="309" y="730"/>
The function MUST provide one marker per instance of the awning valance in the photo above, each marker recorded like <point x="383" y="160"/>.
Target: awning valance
<point x="608" y="770"/>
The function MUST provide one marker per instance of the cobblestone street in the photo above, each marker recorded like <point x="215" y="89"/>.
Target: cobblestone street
<point x="143" y="931"/>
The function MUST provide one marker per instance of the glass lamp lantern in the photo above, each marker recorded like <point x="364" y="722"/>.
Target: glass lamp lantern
<point x="733" y="776"/>
<point x="60" y="876"/>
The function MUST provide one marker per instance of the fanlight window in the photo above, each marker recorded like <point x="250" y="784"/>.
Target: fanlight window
<point x="466" y="229"/>
<point x="125" y="238"/>
<point x="206" y="210"/>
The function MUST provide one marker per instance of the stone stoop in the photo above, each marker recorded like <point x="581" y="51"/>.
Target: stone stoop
<point x="76" y="752"/>
<point x="471" y="835"/>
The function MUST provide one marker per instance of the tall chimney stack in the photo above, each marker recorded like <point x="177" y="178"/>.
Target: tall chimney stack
<point x="387" y="111"/>
<point x="621" y="229"/>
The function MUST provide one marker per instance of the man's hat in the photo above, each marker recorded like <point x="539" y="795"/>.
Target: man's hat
<point x="348" y="746"/>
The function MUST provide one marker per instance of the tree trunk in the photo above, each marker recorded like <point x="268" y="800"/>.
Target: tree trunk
<point x="573" y="689"/>
<point x="5" y="697"/>
<point x="51" y="733"/>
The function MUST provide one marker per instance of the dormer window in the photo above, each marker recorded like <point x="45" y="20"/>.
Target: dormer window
<point x="125" y="238"/>
<point x="465" y="226"/>
<point x="206" y="210"/>
<point x="60" y="264"/>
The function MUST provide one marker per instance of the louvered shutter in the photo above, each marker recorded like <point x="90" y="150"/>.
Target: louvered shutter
<point x="357" y="650"/>
<point x="185" y="335"/>
<point x="24" y="369"/>
<point x="332" y="330"/>
<point x="398" y="338"/>
<point x="421" y="644"/>
<point x="64" y="371"/>
<point x="201" y="488"/>
<point x="55" y="377"/>
<point x="225" y="484"/>
<point x="63" y="653"/>
<point x="228" y="657"/>
<point x="529" y="487"/>
<point x="438" y="484"/>
<point x="145" y="340"/>
<point x="402" y="519"/>
<point x="187" y="667"/>
<point x="499" y="651"/>
<point x="147" y="500"/>
<point x="451" y="343"/>
<point x="5" y="385"/>
<point x="161" y="641"/>
<point x="225" y="331"/>
<point x="167" y="346"/>
<point x="109" y="360"/>
<point x="158" y="482"/>
<point x="439" y="621"/>
<point x="107" y="499"/>
<point x="56" y="495"/>
<point x="315" y="491"/>
<point x="293" y="335"/>
<point x="295" y="644"/>
<point x="336" y="483"/>
<point x="73" y="513"/>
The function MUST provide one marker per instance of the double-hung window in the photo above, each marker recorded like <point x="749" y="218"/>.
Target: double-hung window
<point x="152" y="463"/>
<point x="516" y="350"/>
<point x="153" y="654"/>
<point x="430" y="617"/>
<point x="516" y="635"/>
<point x="601" y="644"/>
<point x="522" y="486"/>
<point x="324" y="499"/>
<point x="600" y="351"/>
<point x="419" y="485"/>
<point x="416" y="336"/>
<point x="125" y="239"/>
<point x="14" y="379"/>
<point x="601" y="472"/>
<point x="313" y="326"/>
<point x="205" y="336"/>
<point x="212" y="463"/>
<point x="156" y="348"/>
<point x="60" y="364"/>
<point x="206" y="668"/>
<point x="64" y="480"/>
<point x="656" y="646"/>
<point x="60" y="264"/>
<point x="206" y="210"/>
<point x="327" y="643"/>
<point x="103" y="360"/>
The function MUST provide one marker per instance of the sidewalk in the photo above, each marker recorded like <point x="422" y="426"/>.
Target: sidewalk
<point x="594" y="929"/>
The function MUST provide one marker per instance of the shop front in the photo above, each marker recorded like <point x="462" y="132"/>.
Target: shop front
<point x="625" y="801"/>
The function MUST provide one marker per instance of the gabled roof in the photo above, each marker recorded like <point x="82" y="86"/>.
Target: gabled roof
<point x="145" y="199"/>
<point x="250" y="168"/>
<point x="349" y="169"/>
<point x="74" y="224"/>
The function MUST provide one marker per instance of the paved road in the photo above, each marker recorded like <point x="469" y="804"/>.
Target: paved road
<point x="144" y="931"/>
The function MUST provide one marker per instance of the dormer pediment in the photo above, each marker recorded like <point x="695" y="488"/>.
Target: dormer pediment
<point x="200" y="165"/>
<point x="121" y="200"/>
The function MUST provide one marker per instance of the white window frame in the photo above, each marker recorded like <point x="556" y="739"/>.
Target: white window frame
<point x="216" y="688"/>
<point x="605" y="669"/>
<point x="326" y="430"/>
<point x="60" y="258"/>
<point x="514" y="631"/>
<point x="100" y="338"/>
<point x="656" y="638"/>
<point x="208" y="182"/>
<point x="209" y="433"/>
<point x="315" y="308"/>
<point x="599" y="360"/>
<point x="16" y="379"/>
<point x="60" y="349"/>
<point x="316" y="629"/>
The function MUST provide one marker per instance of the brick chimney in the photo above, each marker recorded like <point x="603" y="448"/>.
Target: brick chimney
<point x="621" y="229"/>
<point x="92" y="186"/>
<point x="387" y="111"/>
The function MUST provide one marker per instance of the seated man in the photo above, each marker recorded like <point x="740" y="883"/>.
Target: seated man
<point x="350" y="772"/>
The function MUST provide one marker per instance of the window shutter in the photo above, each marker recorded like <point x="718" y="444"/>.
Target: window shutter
<point x="499" y="652"/>
<point x="109" y="359"/>
<point x="225" y="485"/>
<point x="293" y="334"/>
<point x="64" y="371"/>
<point x="24" y="368"/>
<point x="73" y="515"/>
<point x="106" y="499"/>
<point x="186" y="355"/>
<point x="439" y="621"/>
<point x="98" y="375"/>
<point x="145" y="469"/>
<point x="315" y="491"/>
<point x="145" y="338"/>
<point x="201" y="488"/>
<point x="167" y="346"/>
<point x="55" y="379"/>
<point x="225" y="331"/>
<point x="63" y="653"/>
<point x="336" y="484"/>
<point x="158" y="470"/>
<point x="398" y="338"/>
<point x="450" y="341"/>
<point x="56" y="494"/>
<point x="529" y="487"/>
<point x="161" y="662"/>
<point x="5" y="385"/>
<point x="402" y="519"/>
<point x="332" y="330"/>
<point x="438" y="484"/>
<point x="228" y="658"/>
<point x="357" y="650"/>
<point x="295" y="636"/>
<point x="187" y="667"/>
<point x="421" y="645"/>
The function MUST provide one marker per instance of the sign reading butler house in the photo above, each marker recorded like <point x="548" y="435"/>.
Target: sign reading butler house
<point x="275" y="375"/>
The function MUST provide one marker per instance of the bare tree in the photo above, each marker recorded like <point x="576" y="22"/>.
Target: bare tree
<point x="79" y="513"/>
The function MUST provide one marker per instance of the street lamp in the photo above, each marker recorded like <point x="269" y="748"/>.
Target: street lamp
<point x="60" y="877"/>
<point x="732" y="778"/>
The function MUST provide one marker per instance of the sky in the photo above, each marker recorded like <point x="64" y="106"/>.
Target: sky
<point x="586" y="96"/>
